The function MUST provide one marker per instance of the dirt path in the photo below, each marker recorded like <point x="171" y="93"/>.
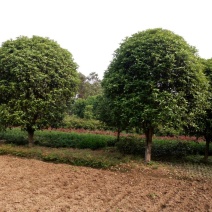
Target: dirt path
<point x="31" y="185"/>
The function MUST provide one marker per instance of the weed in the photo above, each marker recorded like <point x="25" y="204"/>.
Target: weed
<point x="153" y="164"/>
<point x="152" y="196"/>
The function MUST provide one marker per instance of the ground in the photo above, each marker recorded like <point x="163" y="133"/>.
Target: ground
<point x="32" y="185"/>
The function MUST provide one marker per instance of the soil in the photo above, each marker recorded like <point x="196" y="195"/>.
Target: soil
<point x="32" y="185"/>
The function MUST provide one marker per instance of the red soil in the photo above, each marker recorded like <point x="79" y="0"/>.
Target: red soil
<point x="31" y="185"/>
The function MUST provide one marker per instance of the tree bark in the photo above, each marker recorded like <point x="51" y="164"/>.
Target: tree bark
<point x="118" y="134"/>
<point x="148" y="148"/>
<point x="206" y="150"/>
<point x="30" y="137"/>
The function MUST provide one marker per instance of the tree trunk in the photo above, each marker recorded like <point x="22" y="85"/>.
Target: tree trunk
<point x="148" y="148"/>
<point x="30" y="137"/>
<point x="206" y="150"/>
<point x="118" y="134"/>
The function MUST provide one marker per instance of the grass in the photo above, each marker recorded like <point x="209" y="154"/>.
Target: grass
<point x="109" y="158"/>
<point x="80" y="157"/>
<point x="98" y="151"/>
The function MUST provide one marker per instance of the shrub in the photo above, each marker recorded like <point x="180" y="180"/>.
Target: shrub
<point x="73" y="140"/>
<point x="161" y="148"/>
<point x="73" y="122"/>
<point x="131" y="145"/>
<point x="59" y="139"/>
<point x="171" y="148"/>
<point x="14" y="136"/>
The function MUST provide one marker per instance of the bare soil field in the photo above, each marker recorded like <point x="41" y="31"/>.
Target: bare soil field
<point x="32" y="185"/>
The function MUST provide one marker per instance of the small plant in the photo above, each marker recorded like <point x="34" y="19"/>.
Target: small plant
<point x="153" y="165"/>
<point x="152" y="196"/>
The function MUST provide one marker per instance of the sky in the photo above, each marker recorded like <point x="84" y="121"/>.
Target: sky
<point x="93" y="29"/>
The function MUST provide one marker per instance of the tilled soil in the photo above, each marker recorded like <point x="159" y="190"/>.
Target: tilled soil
<point x="32" y="185"/>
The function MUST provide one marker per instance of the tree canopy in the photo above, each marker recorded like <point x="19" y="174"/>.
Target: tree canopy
<point x="37" y="78"/>
<point x="203" y="126"/>
<point x="157" y="77"/>
<point x="112" y="114"/>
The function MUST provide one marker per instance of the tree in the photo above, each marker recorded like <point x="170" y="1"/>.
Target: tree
<point x="78" y="107"/>
<point x="110" y="113"/>
<point x="207" y="130"/>
<point x="82" y="86"/>
<point x="37" y="78"/>
<point x="203" y="122"/>
<point x="158" y="78"/>
<point x="84" y="108"/>
<point x="95" y="87"/>
<point x="89" y="86"/>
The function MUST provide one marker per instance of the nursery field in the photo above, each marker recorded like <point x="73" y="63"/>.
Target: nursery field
<point x="91" y="172"/>
<point x="33" y="185"/>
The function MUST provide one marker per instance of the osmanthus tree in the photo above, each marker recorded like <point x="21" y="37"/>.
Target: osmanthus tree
<point x="111" y="113"/>
<point x="207" y="121"/>
<point x="158" y="78"/>
<point x="203" y="122"/>
<point x="37" y="79"/>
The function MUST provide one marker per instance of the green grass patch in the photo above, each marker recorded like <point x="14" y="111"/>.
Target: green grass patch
<point x="84" y="157"/>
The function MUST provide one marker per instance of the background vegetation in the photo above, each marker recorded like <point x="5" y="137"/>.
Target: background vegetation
<point x="150" y="90"/>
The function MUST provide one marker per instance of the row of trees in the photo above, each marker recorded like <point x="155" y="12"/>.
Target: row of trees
<point x="155" y="79"/>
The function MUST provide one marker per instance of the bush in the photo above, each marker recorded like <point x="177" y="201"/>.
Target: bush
<point x="14" y="136"/>
<point x="131" y="145"/>
<point x="73" y="122"/>
<point x="171" y="148"/>
<point x="127" y="145"/>
<point x="92" y="142"/>
<point x="161" y="148"/>
<point x="58" y="139"/>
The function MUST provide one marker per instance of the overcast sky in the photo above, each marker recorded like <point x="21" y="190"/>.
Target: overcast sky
<point x="93" y="29"/>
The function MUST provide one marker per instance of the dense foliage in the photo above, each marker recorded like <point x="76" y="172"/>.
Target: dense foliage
<point x="85" y="108"/>
<point x="58" y="139"/>
<point x="156" y="78"/>
<point x="73" y="122"/>
<point x="111" y="114"/>
<point x="203" y="126"/>
<point x="37" y="78"/>
<point x="163" y="147"/>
